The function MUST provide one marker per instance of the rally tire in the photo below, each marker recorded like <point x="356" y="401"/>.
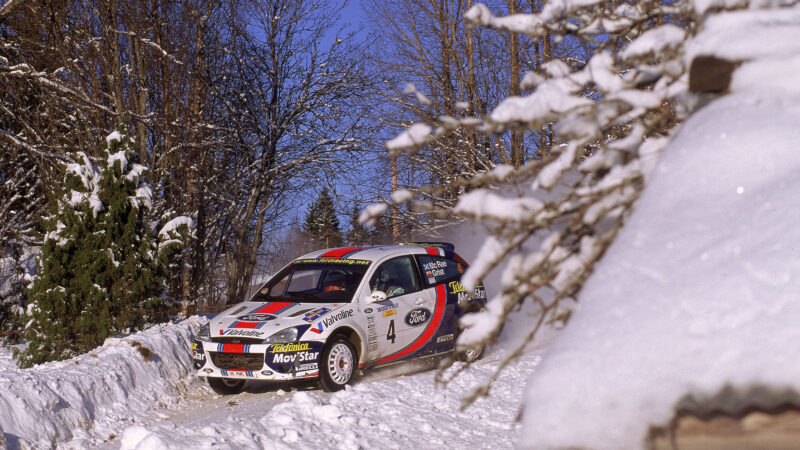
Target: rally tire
<point x="226" y="386"/>
<point x="471" y="355"/>
<point x="338" y="364"/>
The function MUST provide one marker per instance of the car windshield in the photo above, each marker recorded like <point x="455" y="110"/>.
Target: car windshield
<point x="314" y="282"/>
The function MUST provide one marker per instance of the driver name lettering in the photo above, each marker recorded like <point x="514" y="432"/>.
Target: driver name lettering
<point x="434" y="265"/>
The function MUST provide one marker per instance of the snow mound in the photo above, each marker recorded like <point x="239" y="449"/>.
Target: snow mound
<point x="98" y="391"/>
<point x="700" y="289"/>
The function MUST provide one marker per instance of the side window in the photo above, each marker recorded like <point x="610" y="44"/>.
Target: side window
<point x="436" y="269"/>
<point x="395" y="277"/>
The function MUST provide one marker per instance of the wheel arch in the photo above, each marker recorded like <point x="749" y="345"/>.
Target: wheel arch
<point x="353" y="337"/>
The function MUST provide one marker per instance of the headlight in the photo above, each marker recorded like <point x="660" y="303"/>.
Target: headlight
<point x="287" y="335"/>
<point x="204" y="334"/>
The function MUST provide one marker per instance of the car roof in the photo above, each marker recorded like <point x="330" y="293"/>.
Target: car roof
<point x="376" y="252"/>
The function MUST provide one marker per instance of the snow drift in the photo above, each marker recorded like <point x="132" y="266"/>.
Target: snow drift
<point x="126" y="377"/>
<point x="701" y="288"/>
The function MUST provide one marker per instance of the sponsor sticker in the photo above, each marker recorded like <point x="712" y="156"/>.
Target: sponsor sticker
<point x="290" y="347"/>
<point x="372" y="334"/>
<point x="294" y="357"/>
<point x="332" y="319"/>
<point x="256" y="317"/>
<point x="283" y="358"/>
<point x="391" y="305"/>
<point x="389" y="312"/>
<point x="198" y="356"/>
<point x="480" y="294"/>
<point x="307" y="367"/>
<point x="351" y="262"/>
<point x="456" y="287"/>
<point x="239" y="332"/>
<point x="316" y="314"/>
<point x="367" y="310"/>
<point x="418" y="316"/>
<point x="444" y="338"/>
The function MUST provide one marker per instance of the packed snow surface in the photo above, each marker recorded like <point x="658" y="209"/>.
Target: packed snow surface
<point x="701" y="288"/>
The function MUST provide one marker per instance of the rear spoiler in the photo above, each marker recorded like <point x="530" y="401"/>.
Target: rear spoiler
<point x="446" y="246"/>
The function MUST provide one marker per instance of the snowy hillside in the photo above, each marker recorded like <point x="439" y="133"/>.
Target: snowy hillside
<point x="700" y="290"/>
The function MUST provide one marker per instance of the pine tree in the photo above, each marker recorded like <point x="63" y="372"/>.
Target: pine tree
<point x="99" y="272"/>
<point x="358" y="234"/>
<point x="321" y="221"/>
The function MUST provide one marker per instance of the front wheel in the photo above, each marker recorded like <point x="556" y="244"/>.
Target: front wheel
<point x="226" y="386"/>
<point x="338" y="364"/>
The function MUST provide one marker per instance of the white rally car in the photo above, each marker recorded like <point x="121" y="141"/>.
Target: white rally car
<point x="334" y="311"/>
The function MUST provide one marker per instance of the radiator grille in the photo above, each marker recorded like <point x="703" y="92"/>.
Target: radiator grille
<point x="241" y="361"/>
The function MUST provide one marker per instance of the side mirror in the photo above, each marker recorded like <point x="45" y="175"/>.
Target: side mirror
<point x="377" y="296"/>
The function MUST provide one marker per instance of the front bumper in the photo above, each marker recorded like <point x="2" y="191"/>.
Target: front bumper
<point x="276" y="362"/>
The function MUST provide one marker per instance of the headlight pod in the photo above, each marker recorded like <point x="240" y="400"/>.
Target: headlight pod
<point x="204" y="334"/>
<point x="287" y="335"/>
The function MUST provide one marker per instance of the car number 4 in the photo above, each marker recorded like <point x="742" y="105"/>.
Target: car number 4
<point x="390" y="334"/>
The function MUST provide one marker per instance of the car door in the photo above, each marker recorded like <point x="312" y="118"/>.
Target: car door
<point x="397" y="323"/>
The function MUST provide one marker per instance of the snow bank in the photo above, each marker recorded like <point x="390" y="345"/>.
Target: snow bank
<point x="701" y="288"/>
<point x="96" y="394"/>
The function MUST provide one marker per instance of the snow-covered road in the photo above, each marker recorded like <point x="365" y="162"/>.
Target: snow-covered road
<point x="383" y="410"/>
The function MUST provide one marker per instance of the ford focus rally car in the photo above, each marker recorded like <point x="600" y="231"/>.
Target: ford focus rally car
<point x="334" y="311"/>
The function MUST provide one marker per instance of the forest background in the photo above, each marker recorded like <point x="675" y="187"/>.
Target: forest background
<point x="243" y="112"/>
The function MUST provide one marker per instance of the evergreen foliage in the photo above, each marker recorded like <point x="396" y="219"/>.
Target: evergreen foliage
<point x="321" y="221"/>
<point x="100" y="272"/>
<point x="358" y="234"/>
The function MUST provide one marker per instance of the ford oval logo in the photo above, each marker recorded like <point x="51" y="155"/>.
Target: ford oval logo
<point x="418" y="316"/>
<point x="256" y="317"/>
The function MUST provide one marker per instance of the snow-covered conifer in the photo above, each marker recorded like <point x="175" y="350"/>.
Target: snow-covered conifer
<point x="321" y="221"/>
<point x="99" y="273"/>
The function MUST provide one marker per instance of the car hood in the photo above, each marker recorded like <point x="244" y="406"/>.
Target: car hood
<point x="256" y="320"/>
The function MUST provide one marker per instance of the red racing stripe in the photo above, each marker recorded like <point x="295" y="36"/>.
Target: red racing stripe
<point x="337" y="253"/>
<point x="233" y="348"/>
<point x="246" y="324"/>
<point x="438" y="314"/>
<point x="271" y="308"/>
